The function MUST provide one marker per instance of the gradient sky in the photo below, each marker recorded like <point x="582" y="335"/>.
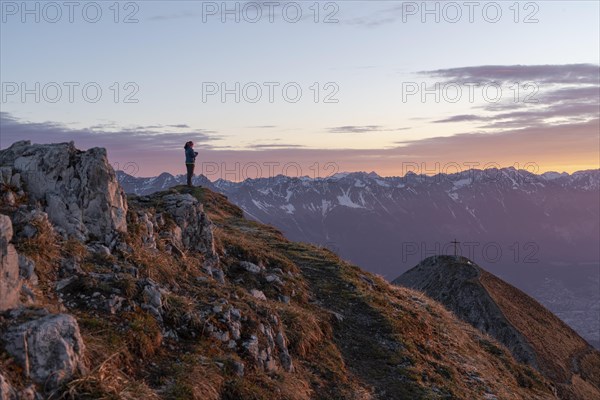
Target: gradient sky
<point x="368" y="53"/>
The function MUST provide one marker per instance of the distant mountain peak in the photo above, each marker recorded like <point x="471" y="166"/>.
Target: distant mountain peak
<point x="513" y="318"/>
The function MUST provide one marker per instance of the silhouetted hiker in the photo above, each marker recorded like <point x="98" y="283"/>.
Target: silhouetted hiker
<point x="190" y="160"/>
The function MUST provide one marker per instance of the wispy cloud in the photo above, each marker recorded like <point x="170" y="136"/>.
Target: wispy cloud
<point x="459" y="118"/>
<point x="362" y="129"/>
<point x="576" y="74"/>
<point x="125" y="139"/>
<point x="566" y="147"/>
<point x="560" y="94"/>
<point x="275" y="146"/>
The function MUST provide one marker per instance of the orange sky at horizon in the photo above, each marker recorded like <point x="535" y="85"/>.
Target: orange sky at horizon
<point x="561" y="148"/>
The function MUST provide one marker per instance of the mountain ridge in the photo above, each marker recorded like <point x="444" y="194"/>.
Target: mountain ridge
<point x="193" y="301"/>
<point x="544" y="227"/>
<point x="509" y="315"/>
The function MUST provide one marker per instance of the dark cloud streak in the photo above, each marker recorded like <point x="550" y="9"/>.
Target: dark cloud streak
<point x="125" y="140"/>
<point x="576" y="74"/>
<point x="362" y="129"/>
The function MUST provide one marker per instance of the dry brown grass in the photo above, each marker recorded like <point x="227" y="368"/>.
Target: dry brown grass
<point x="306" y="332"/>
<point x="439" y="345"/>
<point x="74" y="249"/>
<point x="145" y="337"/>
<point x="9" y="368"/>
<point x="156" y="263"/>
<point x="193" y="379"/>
<point x="444" y="351"/>
<point x="128" y="357"/>
<point x="110" y="362"/>
<point x="217" y="205"/>
<point x="252" y="244"/>
<point x="106" y="381"/>
<point x="262" y="387"/>
<point x="447" y="351"/>
<point x="560" y="351"/>
<point x="181" y="313"/>
<point x="44" y="248"/>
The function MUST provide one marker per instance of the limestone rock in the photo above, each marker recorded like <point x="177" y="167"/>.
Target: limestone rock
<point x="27" y="269"/>
<point x="251" y="346"/>
<point x="250" y="267"/>
<point x="78" y="189"/>
<point x="28" y="221"/>
<point x="194" y="230"/>
<point x="238" y="368"/>
<point x="153" y="296"/>
<point x="10" y="282"/>
<point x="50" y="349"/>
<point x="259" y="294"/>
<point x="196" y="227"/>
<point x="274" y="279"/>
<point x="284" y="354"/>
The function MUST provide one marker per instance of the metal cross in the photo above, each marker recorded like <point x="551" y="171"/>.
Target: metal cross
<point x="455" y="243"/>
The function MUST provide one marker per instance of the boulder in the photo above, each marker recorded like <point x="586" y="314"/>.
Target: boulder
<point x="250" y="267"/>
<point x="258" y="294"/>
<point x="49" y="349"/>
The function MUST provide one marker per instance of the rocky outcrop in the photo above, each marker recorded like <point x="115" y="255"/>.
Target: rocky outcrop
<point x="265" y="355"/>
<point x="10" y="283"/>
<point x="49" y="349"/>
<point x="195" y="226"/>
<point x="266" y="347"/>
<point x="77" y="189"/>
<point x="181" y="222"/>
<point x="153" y="298"/>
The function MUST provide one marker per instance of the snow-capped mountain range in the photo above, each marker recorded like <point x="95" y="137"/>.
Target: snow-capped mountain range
<point x="357" y="213"/>
<point x="388" y="224"/>
<point x="529" y="229"/>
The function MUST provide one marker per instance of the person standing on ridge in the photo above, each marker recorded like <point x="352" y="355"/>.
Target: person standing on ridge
<point x="190" y="160"/>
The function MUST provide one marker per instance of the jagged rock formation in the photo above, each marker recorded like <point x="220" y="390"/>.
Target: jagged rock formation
<point x="9" y="267"/>
<point x="180" y="221"/>
<point x="184" y="298"/>
<point x="533" y="334"/>
<point x="76" y="188"/>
